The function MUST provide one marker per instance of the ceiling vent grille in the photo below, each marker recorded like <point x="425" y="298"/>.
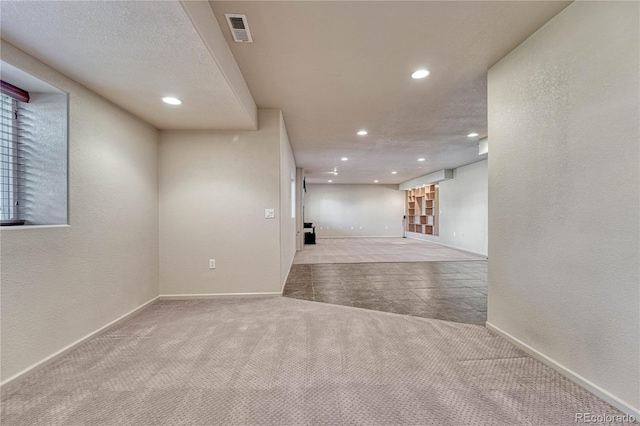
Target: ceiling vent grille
<point x="239" y="28"/>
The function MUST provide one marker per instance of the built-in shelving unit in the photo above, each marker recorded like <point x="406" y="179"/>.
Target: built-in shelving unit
<point x="422" y="209"/>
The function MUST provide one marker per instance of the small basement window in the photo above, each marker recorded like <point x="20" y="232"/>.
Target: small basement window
<point x="11" y="162"/>
<point x="33" y="150"/>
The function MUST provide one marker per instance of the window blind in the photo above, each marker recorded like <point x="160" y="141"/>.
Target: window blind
<point x="12" y="164"/>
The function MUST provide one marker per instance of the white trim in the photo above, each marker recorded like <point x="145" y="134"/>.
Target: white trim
<point x="51" y="358"/>
<point x="16" y="227"/>
<point x="216" y="295"/>
<point x="442" y="244"/>
<point x="569" y="374"/>
<point x="357" y="236"/>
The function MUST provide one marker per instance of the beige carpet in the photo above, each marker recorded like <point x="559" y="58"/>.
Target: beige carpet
<point x="365" y="250"/>
<point x="281" y="361"/>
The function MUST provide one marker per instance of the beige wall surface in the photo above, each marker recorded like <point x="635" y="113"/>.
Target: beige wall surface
<point x="463" y="209"/>
<point x="60" y="284"/>
<point x="287" y="196"/>
<point x="354" y="210"/>
<point x="564" y="197"/>
<point x="214" y="189"/>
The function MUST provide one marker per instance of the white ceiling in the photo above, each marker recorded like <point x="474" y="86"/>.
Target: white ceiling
<point x="336" y="67"/>
<point x="132" y="53"/>
<point x="332" y="67"/>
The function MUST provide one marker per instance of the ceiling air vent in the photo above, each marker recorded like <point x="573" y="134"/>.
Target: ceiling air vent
<point x="239" y="28"/>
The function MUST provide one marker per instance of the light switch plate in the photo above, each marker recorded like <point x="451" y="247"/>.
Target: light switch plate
<point x="269" y="213"/>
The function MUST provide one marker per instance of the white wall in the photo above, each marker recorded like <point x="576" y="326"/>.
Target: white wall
<point x="299" y="208"/>
<point x="214" y="189"/>
<point x="463" y="210"/>
<point x="287" y="196"/>
<point x="354" y="210"/>
<point x="60" y="284"/>
<point x="564" y="198"/>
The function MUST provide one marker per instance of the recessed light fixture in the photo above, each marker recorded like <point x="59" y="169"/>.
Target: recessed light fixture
<point x="344" y="159"/>
<point x="420" y="159"/>
<point x="472" y="135"/>
<point x="418" y="74"/>
<point x="335" y="173"/>
<point x="171" y="100"/>
<point x="376" y="181"/>
<point x="329" y="181"/>
<point x="394" y="173"/>
<point x="362" y="132"/>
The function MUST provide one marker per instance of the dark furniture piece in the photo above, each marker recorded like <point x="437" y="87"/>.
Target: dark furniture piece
<point x="309" y="233"/>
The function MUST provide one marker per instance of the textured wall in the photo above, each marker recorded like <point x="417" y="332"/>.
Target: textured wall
<point x="354" y="210"/>
<point x="563" y="194"/>
<point x="214" y="188"/>
<point x="60" y="284"/>
<point x="463" y="210"/>
<point x="287" y="194"/>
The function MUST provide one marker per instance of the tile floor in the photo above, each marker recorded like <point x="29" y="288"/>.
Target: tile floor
<point x="451" y="291"/>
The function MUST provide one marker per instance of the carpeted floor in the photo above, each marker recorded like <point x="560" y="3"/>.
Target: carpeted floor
<point x="367" y="250"/>
<point x="281" y="361"/>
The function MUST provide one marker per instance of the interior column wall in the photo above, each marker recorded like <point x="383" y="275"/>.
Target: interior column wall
<point x="564" y="199"/>
<point x="288" y="204"/>
<point x="214" y="189"/>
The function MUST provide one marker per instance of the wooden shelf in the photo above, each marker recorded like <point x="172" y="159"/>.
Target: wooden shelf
<point x="422" y="210"/>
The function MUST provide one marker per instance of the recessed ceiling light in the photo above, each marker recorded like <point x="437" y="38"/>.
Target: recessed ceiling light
<point x="171" y="101"/>
<point x="394" y="173"/>
<point x="329" y="181"/>
<point x="344" y="158"/>
<point x="362" y="132"/>
<point x="376" y="181"/>
<point x="417" y="74"/>
<point x="335" y="173"/>
<point x="472" y="135"/>
<point x="420" y="159"/>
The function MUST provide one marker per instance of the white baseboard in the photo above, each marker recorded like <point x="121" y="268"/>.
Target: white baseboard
<point x="445" y="245"/>
<point x="16" y="378"/>
<point x="328" y="237"/>
<point x="217" y="295"/>
<point x="569" y="374"/>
